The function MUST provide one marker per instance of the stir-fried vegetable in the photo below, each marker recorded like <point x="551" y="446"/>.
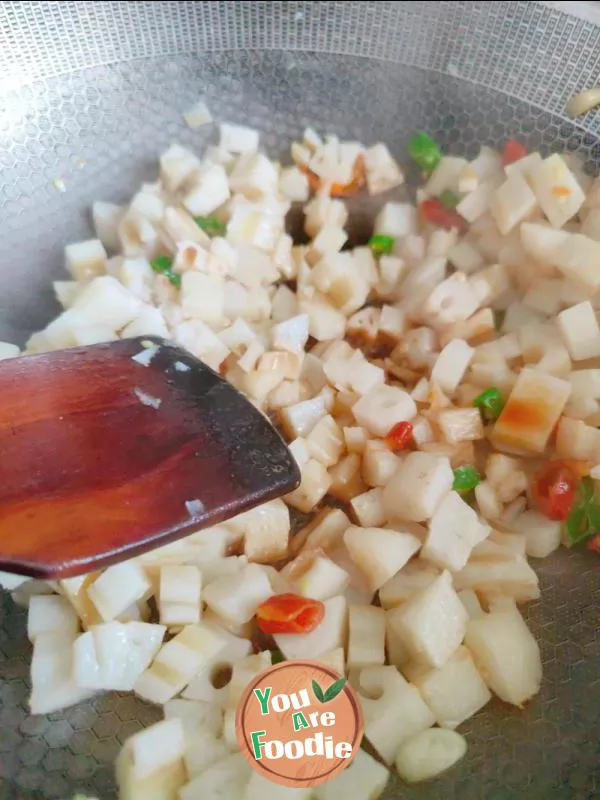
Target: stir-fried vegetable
<point x="424" y="151"/>
<point x="490" y="403"/>
<point x="373" y="360"/>
<point x="163" y="265"/>
<point x="289" y="613"/>
<point x="211" y="225"/>
<point x="466" y="478"/>
<point x="400" y="436"/>
<point x="434" y="211"/>
<point x="554" y="490"/>
<point x="381" y="244"/>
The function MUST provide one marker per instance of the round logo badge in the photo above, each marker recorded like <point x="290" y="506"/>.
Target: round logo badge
<point x="299" y="723"/>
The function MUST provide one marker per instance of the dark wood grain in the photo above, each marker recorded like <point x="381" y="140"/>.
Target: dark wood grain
<point x="90" y="475"/>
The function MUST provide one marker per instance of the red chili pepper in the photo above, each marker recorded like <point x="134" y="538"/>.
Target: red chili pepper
<point x="434" y="211"/>
<point x="289" y="613"/>
<point x="594" y="544"/>
<point x="554" y="490"/>
<point x="400" y="436"/>
<point x="513" y="151"/>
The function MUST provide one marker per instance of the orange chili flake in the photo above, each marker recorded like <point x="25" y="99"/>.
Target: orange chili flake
<point x="400" y="436"/>
<point x="340" y="189"/>
<point x="561" y="191"/>
<point x="313" y="180"/>
<point x="289" y="613"/>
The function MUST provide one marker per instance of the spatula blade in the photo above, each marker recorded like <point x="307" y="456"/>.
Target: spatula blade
<point x="104" y="457"/>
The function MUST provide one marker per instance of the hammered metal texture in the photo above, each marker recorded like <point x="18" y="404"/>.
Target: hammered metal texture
<point x="89" y="95"/>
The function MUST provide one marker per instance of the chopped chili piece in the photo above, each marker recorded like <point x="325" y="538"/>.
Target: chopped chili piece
<point x="425" y="151"/>
<point x="583" y="521"/>
<point x="554" y="489"/>
<point x="400" y="436"/>
<point x="356" y="183"/>
<point x="490" y="403"/>
<point x="313" y="180"/>
<point x="435" y="212"/>
<point x="211" y="225"/>
<point x="163" y="265"/>
<point x="513" y="151"/>
<point x="289" y="613"/>
<point x="381" y="244"/>
<point x="466" y="478"/>
<point x="449" y="199"/>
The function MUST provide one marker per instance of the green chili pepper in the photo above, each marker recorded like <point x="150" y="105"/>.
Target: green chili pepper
<point x="449" y="199"/>
<point x="466" y="478"/>
<point x="583" y="521"/>
<point x="490" y="403"/>
<point x="164" y="266"/>
<point x="381" y="244"/>
<point x="211" y="225"/>
<point x="424" y="151"/>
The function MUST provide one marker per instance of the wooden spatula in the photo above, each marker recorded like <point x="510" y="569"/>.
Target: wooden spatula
<point x="110" y="450"/>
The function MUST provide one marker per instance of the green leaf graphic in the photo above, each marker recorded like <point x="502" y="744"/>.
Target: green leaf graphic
<point x="318" y="692"/>
<point x="334" y="689"/>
